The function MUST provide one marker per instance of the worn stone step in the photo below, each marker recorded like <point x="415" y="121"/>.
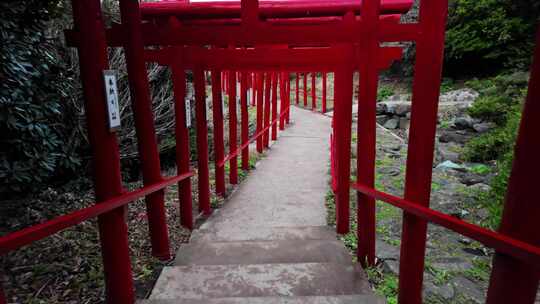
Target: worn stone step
<point x="348" y="299"/>
<point x="264" y="234"/>
<point x="261" y="280"/>
<point x="263" y="252"/>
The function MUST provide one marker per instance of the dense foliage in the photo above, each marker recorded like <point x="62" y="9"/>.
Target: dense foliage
<point x="35" y="124"/>
<point x="489" y="35"/>
<point x="500" y="102"/>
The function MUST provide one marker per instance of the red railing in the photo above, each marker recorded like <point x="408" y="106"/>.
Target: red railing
<point x="340" y="37"/>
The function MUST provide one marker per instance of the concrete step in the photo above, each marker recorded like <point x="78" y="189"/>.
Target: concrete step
<point x="262" y="280"/>
<point x="264" y="234"/>
<point x="267" y="252"/>
<point x="348" y="299"/>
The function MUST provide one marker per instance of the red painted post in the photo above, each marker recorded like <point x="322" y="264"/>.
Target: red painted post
<point x="274" y="104"/>
<point x="217" y="113"/>
<point x="314" y="91"/>
<point x="233" y="125"/>
<point x="324" y="92"/>
<point x="267" y="91"/>
<point x="282" y="92"/>
<point x="254" y="88"/>
<point x="366" y="132"/>
<point x="202" y="142"/>
<point x="244" y="117"/>
<point x="342" y="132"/>
<point x="182" y="145"/>
<point x="305" y="90"/>
<point x="287" y="98"/>
<point x="144" y="126"/>
<point x="259" y="126"/>
<point x="297" y="88"/>
<point x="426" y="89"/>
<point x="106" y="174"/>
<point x="513" y="281"/>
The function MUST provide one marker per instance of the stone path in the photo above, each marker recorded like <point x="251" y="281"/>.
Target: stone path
<point x="270" y="242"/>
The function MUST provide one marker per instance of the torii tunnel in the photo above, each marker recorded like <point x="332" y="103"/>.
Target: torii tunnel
<point x="259" y="45"/>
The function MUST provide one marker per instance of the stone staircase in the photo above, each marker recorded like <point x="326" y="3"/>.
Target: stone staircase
<point x="270" y="244"/>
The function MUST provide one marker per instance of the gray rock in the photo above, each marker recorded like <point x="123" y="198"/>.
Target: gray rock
<point x="449" y="165"/>
<point x="391" y="266"/>
<point x="381" y="108"/>
<point x="391" y="107"/>
<point x="450" y="136"/>
<point x="480" y="187"/>
<point x="447" y="151"/>
<point x="469" y="289"/>
<point x="402" y="109"/>
<point x="459" y="96"/>
<point x="382" y="119"/>
<point x="452" y="264"/>
<point x="445" y="292"/>
<point x="392" y="123"/>
<point x="464" y="122"/>
<point x="404" y="123"/>
<point x="386" y="251"/>
<point x="472" y="179"/>
<point x="483" y="127"/>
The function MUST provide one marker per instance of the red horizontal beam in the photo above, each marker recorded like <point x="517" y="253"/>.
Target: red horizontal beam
<point x="252" y="139"/>
<point x="317" y="33"/>
<point x="37" y="232"/>
<point x="267" y="59"/>
<point x="267" y="9"/>
<point x="500" y="242"/>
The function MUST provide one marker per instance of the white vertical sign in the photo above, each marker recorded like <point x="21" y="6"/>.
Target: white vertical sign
<point x="188" y="112"/>
<point x="111" y="94"/>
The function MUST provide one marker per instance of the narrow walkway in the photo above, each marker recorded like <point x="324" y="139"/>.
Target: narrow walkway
<point x="270" y="243"/>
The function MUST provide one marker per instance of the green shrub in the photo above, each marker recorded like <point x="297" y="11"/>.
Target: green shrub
<point x="35" y="125"/>
<point x="384" y="92"/>
<point x="491" y="34"/>
<point x="500" y="102"/>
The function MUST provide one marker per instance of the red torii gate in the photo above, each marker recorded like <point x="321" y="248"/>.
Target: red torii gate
<point x="323" y="36"/>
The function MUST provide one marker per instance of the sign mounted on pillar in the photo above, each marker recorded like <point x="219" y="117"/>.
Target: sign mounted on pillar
<point x="188" y="112"/>
<point x="111" y="95"/>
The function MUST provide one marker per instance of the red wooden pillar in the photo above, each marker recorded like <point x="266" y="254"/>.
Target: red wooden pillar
<point x="202" y="141"/>
<point x="366" y="132"/>
<point x="305" y="90"/>
<point x="217" y="113"/>
<point x="513" y="281"/>
<point x="233" y="125"/>
<point x="182" y="146"/>
<point x="426" y="87"/>
<point x="324" y="92"/>
<point x="254" y="88"/>
<point x="274" y="105"/>
<point x="144" y="125"/>
<point x="342" y="132"/>
<point x="287" y="98"/>
<point x="282" y="92"/>
<point x="244" y="117"/>
<point x="267" y="91"/>
<point x="259" y="126"/>
<point x="106" y="174"/>
<point x="314" y="91"/>
<point x="297" y="88"/>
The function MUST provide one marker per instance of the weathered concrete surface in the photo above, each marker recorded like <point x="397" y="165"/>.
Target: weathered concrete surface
<point x="264" y="234"/>
<point x="263" y="280"/>
<point x="287" y="189"/>
<point x="311" y="251"/>
<point x="270" y="243"/>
